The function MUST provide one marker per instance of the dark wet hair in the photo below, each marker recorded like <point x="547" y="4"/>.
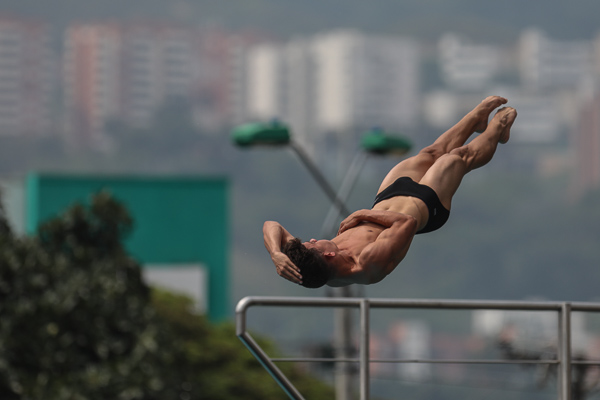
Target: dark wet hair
<point x="313" y="268"/>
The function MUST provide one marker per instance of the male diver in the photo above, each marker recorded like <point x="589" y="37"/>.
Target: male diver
<point x="415" y="197"/>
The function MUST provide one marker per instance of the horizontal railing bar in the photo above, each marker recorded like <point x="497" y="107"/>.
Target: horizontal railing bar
<point x="590" y="307"/>
<point x="314" y="359"/>
<point x="405" y="361"/>
<point x="464" y="304"/>
<point x="416" y="361"/>
<point x="458" y="361"/>
<point x="582" y="362"/>
<point x="409" y="303"/>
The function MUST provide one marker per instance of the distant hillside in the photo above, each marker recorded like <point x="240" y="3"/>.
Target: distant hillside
<point x="485" y="20"/>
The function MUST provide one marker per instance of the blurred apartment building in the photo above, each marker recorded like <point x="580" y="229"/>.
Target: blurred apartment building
<point x="26" y="77"/>
<point x="122" y="72"/>
<point x="333" y="83"/>
<point x="537" y="61"/>
<point x="537" y="74"/>
<point x="550" y="64"/>
<point x="586" y="144"/>
<point x="468" y="66"/>
<point x="569" y="74"/>
<point x="553" y="84"/>
<point x="329" y="87"/>
<point x="126" y="72"/>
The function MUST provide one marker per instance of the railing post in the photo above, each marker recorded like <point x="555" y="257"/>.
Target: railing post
<point x="564" y="347"/>
<point x="364" y="349"/>
<point x="343" y="349"/>
<point x="259" y="353"/>
<point x="563" y="359"/>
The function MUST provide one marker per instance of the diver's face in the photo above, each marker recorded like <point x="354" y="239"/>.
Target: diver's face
<point x="323" y="246"/>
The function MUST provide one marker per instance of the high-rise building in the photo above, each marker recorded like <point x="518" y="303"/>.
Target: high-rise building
<point x="264" y="79"/>
<point x="26" y="77"/>
<point x="550" y="64"/>
<point x="364" y="81"/>
<point x="586" y="144"/>
<point x="333" y="83"/>
<point x="299" y="106"/>
<point x="123" y="72"/>
<point x="157" y="62"/>
<point x="280" y="85"/>
<point x="468" y="66"/>
<point x="219" y="79"/>
<point x="91" y="79"/>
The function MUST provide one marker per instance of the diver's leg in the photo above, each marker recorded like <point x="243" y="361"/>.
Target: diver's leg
<point x="415" y="167"/>
<point x="475" y="121"/>
<point x="446" y="174"/>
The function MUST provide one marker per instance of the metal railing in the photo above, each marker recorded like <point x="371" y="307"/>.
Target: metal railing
<point x="563" y="360"/>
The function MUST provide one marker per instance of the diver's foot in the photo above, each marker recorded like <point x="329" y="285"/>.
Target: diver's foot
<point x="483" y="110"/>
<point x="505" y="117"/>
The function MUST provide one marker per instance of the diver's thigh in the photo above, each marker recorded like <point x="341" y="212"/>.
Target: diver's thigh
<point x="414" y="167"/>
<point x="445" y="176"/>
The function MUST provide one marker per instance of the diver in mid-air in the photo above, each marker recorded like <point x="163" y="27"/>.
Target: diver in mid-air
<point x="415" y="197"/>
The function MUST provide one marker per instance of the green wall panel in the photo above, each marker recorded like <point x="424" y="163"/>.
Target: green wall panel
<point x="176" y="219"/>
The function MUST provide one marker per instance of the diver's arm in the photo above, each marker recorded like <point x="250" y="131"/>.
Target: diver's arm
<point x="381" y="257"/>
<point x="275" y="236"/>
<point x="380" y="217"/>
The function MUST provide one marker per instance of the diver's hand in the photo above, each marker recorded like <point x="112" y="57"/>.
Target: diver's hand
<point x="286" y="268"/>
<point x="351" y="221"/>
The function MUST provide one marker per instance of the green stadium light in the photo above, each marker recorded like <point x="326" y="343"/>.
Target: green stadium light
<point x="276" y="133"/>
<point x="376" y="141"/>
<point x="258" y="133"/>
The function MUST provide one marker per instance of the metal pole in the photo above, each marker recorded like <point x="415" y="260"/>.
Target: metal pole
<point x="564" y="347"/>
<point x="343" y="323"/>
<point x="343" y="193"/>
<point x="364" y="349"/>
<point x="261" y="356"/>
<point x="310" y="165"/>
<point x="342" y="343"/>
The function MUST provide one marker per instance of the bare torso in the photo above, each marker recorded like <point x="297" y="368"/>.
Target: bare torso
<point x="354" y="240"/>
<point x="406" y="205"/>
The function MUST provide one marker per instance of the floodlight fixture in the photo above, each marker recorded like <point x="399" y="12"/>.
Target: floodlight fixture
<point x="276" y="133"/>
<point x="378" y="142"/>
<point x="273" y="133"/>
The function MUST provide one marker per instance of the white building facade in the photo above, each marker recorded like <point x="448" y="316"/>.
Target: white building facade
<point x="550" y="64"/>
<point x="335" y="82"/>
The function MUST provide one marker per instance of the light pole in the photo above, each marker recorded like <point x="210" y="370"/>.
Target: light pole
<point x="276" y="133"/>
<point x="374" y="142"/>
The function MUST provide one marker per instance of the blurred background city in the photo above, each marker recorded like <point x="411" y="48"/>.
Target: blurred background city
<point x="151" y="90"/>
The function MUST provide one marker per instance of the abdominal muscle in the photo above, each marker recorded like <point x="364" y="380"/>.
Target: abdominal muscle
<point x="406" y="205"/>
<point x="356" y="238"/>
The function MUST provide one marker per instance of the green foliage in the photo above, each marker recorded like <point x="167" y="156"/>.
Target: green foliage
<point x="76" y="319"/>
<point x="78" y="322"/>
<point x="216" y="361"/>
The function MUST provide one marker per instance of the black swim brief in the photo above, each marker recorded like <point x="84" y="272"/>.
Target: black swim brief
<point x="404" y="186"/>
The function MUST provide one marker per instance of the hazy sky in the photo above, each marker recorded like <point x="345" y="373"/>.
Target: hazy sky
<point x="566" y="19"/>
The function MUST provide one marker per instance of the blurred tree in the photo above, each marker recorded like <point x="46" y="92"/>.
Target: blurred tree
<point x="214" y="363"/>
<point x="78" y="322"/>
